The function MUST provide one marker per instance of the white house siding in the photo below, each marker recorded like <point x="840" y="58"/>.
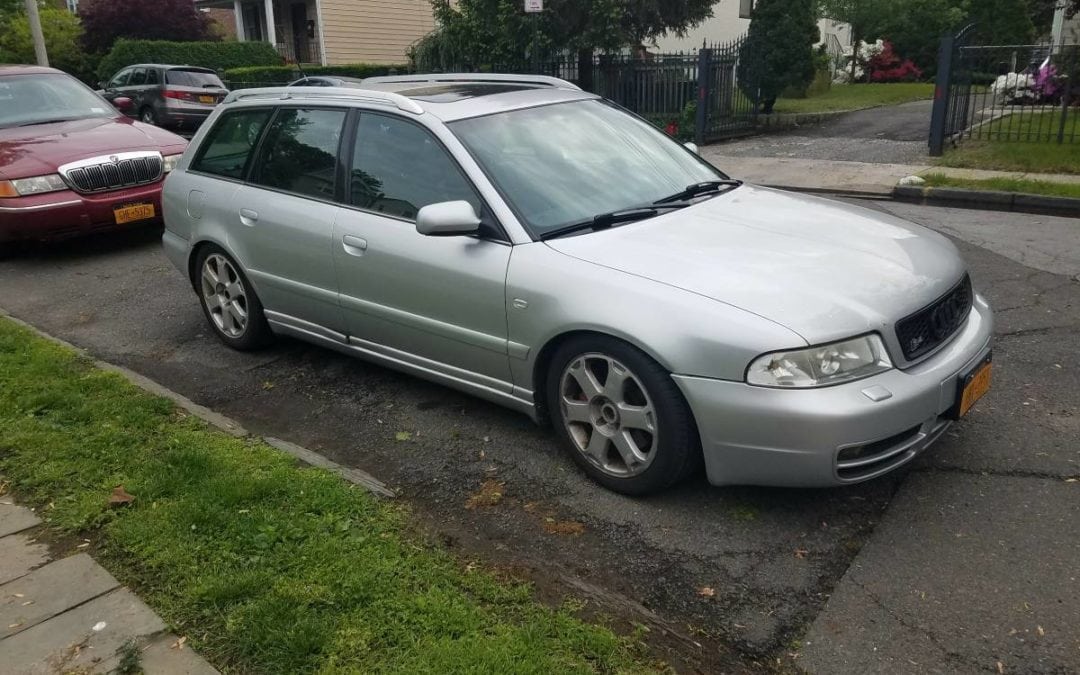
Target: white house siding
<point x="726" y="24"/>
<point x="373" y="31"/>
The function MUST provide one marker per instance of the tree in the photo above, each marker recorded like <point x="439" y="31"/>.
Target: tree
<point x="106" y="20"/>
<point x="499" y="33"/>
<point x="861" y="15"/>
<point x="1002" y="22"/>
<point x="915" y="27"/>
<point x="779" y="48"/>
<point x="62" y="34"/>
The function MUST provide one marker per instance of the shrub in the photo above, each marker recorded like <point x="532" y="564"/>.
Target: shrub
<point x="778" y="52"/>
<point x="239" y="78"/>
<point x="886" y="66"/>
<point x="216" y="55"/>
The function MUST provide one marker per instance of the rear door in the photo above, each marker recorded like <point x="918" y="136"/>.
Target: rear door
<point x="283" y="218"/>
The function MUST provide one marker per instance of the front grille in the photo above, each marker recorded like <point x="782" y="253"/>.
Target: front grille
<point x="113" y="172"/>
<point x="925" y="330"/>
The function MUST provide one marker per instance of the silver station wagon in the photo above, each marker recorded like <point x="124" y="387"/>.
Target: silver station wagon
<point x="532" y="244"/>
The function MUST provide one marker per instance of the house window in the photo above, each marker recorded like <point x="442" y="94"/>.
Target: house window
<point x="253" y="23"/>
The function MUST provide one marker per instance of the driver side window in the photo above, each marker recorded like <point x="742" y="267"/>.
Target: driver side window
<point x="398" y="168"/>
<point x="120" y="79"/>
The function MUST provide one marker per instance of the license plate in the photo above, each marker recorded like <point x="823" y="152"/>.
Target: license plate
<point x="973" y="386"/>
<point x="129" y="214"/>
<point x="207" y="99"/>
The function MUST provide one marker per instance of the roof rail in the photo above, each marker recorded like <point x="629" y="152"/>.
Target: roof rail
<point x="338" y="93"/>
<point x="541" y="80"/>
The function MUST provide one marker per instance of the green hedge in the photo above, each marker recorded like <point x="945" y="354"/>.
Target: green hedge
<point x="240" y="78"/>
<point x="216" y="55"/>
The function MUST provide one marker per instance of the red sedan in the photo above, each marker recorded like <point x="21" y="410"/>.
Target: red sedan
<point x="71" y="163"/>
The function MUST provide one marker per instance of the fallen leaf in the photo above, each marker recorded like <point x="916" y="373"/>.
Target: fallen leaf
<point x="30" y="602"/>
<point x="99" y="626"/>
<point x="402" y="436"/>
<point x="15" y="625"/>
<point x="489" y="494"/>
<point x="566" y="527"/>
<point x="19" y="595"/>
<point x="482" y="455"/>
<point x="267" y="385"/>
<point x="83" y="545"/>
<point x="1040" y="631"/>
<point x="120" y="497"/>
<point x="471" y="567"/>
<point x="706" y="592"/>
<point x="801" y="553"/>
<point x="179" y="644"/>
<point x="1001" y="668"/>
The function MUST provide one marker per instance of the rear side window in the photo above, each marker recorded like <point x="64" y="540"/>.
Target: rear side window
<point x="300" y="153"/>
<point x="152" y="76"/>
<point x="227" y="149"/>
<point x="399" y="168"/>
<point x="193" y="78"/>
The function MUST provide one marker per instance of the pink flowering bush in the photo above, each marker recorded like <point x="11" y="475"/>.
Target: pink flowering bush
<point x="886" y="66"/>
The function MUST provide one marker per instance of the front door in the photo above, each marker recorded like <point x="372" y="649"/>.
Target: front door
<point x="435" y="302"/>
<point x="299" y="29"/>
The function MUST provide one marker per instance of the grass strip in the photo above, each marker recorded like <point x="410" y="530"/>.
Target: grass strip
<point x="1034" y="187"/>
<point x="265" y="566"/>
<point x="1027" y="157"/>
<point x="857" y="97"/>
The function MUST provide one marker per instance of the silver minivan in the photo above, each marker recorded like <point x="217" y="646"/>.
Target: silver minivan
<point x="532" y="244"/>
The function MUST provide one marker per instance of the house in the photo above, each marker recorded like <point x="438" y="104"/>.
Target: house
<point x="331" y="32"/>
<point x="731" y="20"/>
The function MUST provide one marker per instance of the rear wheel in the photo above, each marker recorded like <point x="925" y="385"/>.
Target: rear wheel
<point x="621" y="416"/>
<point x="229" y="302"/>
<point x="148" y="115"/>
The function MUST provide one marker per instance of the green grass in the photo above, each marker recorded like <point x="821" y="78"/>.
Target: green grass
<point x="857" y="97"/>
<point x="1035" y="187"/>
<point x="1014" y="156"/>
<point x="265" y="566"/>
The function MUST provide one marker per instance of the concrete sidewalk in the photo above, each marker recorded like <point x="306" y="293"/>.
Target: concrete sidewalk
<point x="67" y="615"/>
<point x="862" y="179"/>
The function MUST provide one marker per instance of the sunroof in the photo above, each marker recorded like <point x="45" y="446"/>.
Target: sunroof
<point x="448" y="93"/>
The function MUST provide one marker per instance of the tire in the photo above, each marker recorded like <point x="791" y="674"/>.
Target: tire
<point x="229" y="301"/>
<point x="148" y="116"/>
<point x="603" y="422"/>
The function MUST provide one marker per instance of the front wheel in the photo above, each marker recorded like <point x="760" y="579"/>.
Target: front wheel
<point x="229" y="302"/>
<point x="621" y="416"/>
<point x="148" y="116"/>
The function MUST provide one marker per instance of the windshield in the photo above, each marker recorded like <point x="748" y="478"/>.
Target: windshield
<point x="193" y="78"/>
<point x="51" y="97"/>
<point x="565" y="163"/>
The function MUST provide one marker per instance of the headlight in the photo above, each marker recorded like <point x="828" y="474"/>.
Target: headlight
<point x="820" y="366"/>
<point x="34" y="186"/>
<point x="171" y="161"/>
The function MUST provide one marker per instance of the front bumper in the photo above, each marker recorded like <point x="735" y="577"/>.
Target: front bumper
<point x="58" y="215"/>
<point x="793" y="437"/>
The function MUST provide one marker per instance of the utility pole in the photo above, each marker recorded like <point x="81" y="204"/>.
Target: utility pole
<point x="35" y="32"/>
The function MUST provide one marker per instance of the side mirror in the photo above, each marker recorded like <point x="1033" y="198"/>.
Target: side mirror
<point x="123" y="103"/>
<point x="692" y="147"/>
<point x="447" y="219"/>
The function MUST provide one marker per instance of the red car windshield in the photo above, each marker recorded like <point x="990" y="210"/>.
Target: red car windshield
<point x="50" y="97"/>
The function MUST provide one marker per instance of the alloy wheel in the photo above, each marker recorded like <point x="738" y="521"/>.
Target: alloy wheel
<point x="608" y="414"/>
<point x="224" y="295"/>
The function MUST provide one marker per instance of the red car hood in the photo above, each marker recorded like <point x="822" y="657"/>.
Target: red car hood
<point x="40" y="149"/>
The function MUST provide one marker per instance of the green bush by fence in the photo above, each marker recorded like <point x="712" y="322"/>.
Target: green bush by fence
<point x="216" y="55"/>
<point x="248" y="77"/>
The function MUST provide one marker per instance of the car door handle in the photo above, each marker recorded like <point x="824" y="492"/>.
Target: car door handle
<point x="354" y="245"/>
<point x="249" y="217"/>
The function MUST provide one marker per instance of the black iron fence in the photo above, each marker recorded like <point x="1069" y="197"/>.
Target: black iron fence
<point x="1005" y="93"/>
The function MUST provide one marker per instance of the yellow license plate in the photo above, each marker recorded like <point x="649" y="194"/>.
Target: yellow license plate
<point x="206" y="99"/>
<point x="977" y="385"/>
<point x="129" y="214"/>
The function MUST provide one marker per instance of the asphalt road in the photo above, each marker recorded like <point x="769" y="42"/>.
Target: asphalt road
<point x="888" y="135"/>
<point x="965" y="560"/>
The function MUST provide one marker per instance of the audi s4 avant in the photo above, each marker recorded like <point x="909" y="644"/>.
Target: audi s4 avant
<point x="532" y="244"/>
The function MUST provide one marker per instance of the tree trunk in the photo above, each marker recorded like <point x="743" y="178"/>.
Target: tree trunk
<point x="855" y="38"/>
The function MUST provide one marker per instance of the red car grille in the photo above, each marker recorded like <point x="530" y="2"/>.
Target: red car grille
<point x="114" y="172"/>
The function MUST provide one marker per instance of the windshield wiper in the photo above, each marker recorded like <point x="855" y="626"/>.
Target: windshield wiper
<point x="691" y="191"/>
<point x="605" y="220"/>
<point x="61" y="119"/>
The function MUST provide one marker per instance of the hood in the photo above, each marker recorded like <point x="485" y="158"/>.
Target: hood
<point x="40" y="149"/>
<point x="824" y="269"/>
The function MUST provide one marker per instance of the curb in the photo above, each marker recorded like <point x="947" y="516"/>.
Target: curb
<point x="989" y="200"/>
<point x="215" y="419"/>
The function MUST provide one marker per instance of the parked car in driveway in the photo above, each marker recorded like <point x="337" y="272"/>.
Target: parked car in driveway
<point x="71" y="163"/>
<point x="535" y="245"/>
<point x="179" y="97"/>
<point x="327" y="81"/>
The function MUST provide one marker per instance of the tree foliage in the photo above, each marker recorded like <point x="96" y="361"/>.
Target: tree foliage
<point x="105" y="21"/>
<point x="915" y="27"/>
<point x="779" y="48"/>
<point x="499" y="32"/>
<point x="62" y="32"/>
<point x="1001" y="22"/>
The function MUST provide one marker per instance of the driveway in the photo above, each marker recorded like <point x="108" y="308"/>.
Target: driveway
<point x="888" y="135"/>
<point x="934" y="566"/>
